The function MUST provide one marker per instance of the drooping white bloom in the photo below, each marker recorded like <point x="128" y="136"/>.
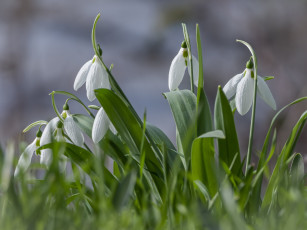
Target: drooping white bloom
<point x="178" y="67"/>
<point x="71" y="129"/>
<point x="82" y="74"/>
<point x="100" y="126"/>
<point x="47" y="136"/>
<point x="25" y="158"/>
<point x="94" y="75"/>
<point x="242" y="87"/>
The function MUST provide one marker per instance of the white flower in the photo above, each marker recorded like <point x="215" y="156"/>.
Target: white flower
<point x="178" y="67"/>
<point x="71" y="129"/>
<point x="95" y="76"/>
<point x="25" y="158"/>
<point x="242" y="87"/>
<point x="47" y="136"/>
<point x="100" y="126"/>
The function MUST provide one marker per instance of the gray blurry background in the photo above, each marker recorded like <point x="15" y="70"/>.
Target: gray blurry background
<point x="43" y="44"/>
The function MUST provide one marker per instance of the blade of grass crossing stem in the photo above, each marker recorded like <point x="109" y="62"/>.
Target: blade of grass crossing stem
<point x="283" y="157"/>
<point x="130" y="131"/>
<point x="204" y="120"/>
<point x="223" y="119"/>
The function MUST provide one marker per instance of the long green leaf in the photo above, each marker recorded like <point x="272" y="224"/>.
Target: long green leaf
<point x="204" y="120"/>
<point x="282" y="159"/>
<point x="183" y="106"/>
<point x="203" y="164"/>
<point x="223" y="119"/>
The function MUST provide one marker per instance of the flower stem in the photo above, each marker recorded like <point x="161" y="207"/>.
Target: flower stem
<point x="187" y="40"/>
<point x="251" y="131"/>
<point x="252" y="125"/>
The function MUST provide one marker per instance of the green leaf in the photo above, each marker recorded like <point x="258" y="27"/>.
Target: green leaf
<point x="183" y="105"/>
<point x="163" y="141"/>
<point x="282" y="159"/>
<point x="262" y="161"/>
<point x="203" y="164"/>
<point x="124" y="190"/>
<point x="224" y="121"/>
<point x="187" y="40"/>
<point x="204" y="120"/>
<point x="130" y="131"/>
<point x="85" y="123"/>
<point x="297" y="171"/>
<point x="34" y="124"/>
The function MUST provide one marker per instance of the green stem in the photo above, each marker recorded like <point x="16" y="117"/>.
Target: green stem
<point x="187" y="40"/>
<point x="252" y="125"/>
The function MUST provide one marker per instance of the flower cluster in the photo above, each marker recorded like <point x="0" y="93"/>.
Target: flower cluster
<point x="64" y="128"/>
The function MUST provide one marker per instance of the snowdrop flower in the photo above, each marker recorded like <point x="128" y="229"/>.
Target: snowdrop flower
<point x="242" y="87"/>
<point x="71" y="128"/>
<point x="25" y="158"/>
<point x="178" y="67"/>
<point x="47" y="137"/>
<point x="101" y="125"/>
<point x="54" y="131"/>
<point x="94" y="75"/>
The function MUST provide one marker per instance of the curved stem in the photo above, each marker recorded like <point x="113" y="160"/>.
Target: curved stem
<point x="252" y="125"/>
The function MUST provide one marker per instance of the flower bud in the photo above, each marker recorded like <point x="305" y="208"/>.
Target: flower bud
<point x="39" y="133"/>
<point x="250" y="64"/>
<point x="59" y="125"/>
<point x="99" y="50"/>
<point x="65" y="106"/>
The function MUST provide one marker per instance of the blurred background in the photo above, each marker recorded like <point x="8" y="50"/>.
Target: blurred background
<point x="43" y="44"/>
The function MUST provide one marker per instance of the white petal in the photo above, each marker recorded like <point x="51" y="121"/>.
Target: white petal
<point x="59" y="135"/>
<point x="244" y="94"/>
<point x="231" y="86"/>
<point x="46" y="157"/>
<point x="100" y="126"/>
<point x="73" y="131"/>
<point x="195" y="70"/>
<point x="82" y="74"/>
<point x="46" y="154"/>
<point x="25" y="159"/>
<point x="96" y="78"/>
<point x="176" y="71"/>
<point x="48" y="131"/>
<point x="265" y="92"/>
